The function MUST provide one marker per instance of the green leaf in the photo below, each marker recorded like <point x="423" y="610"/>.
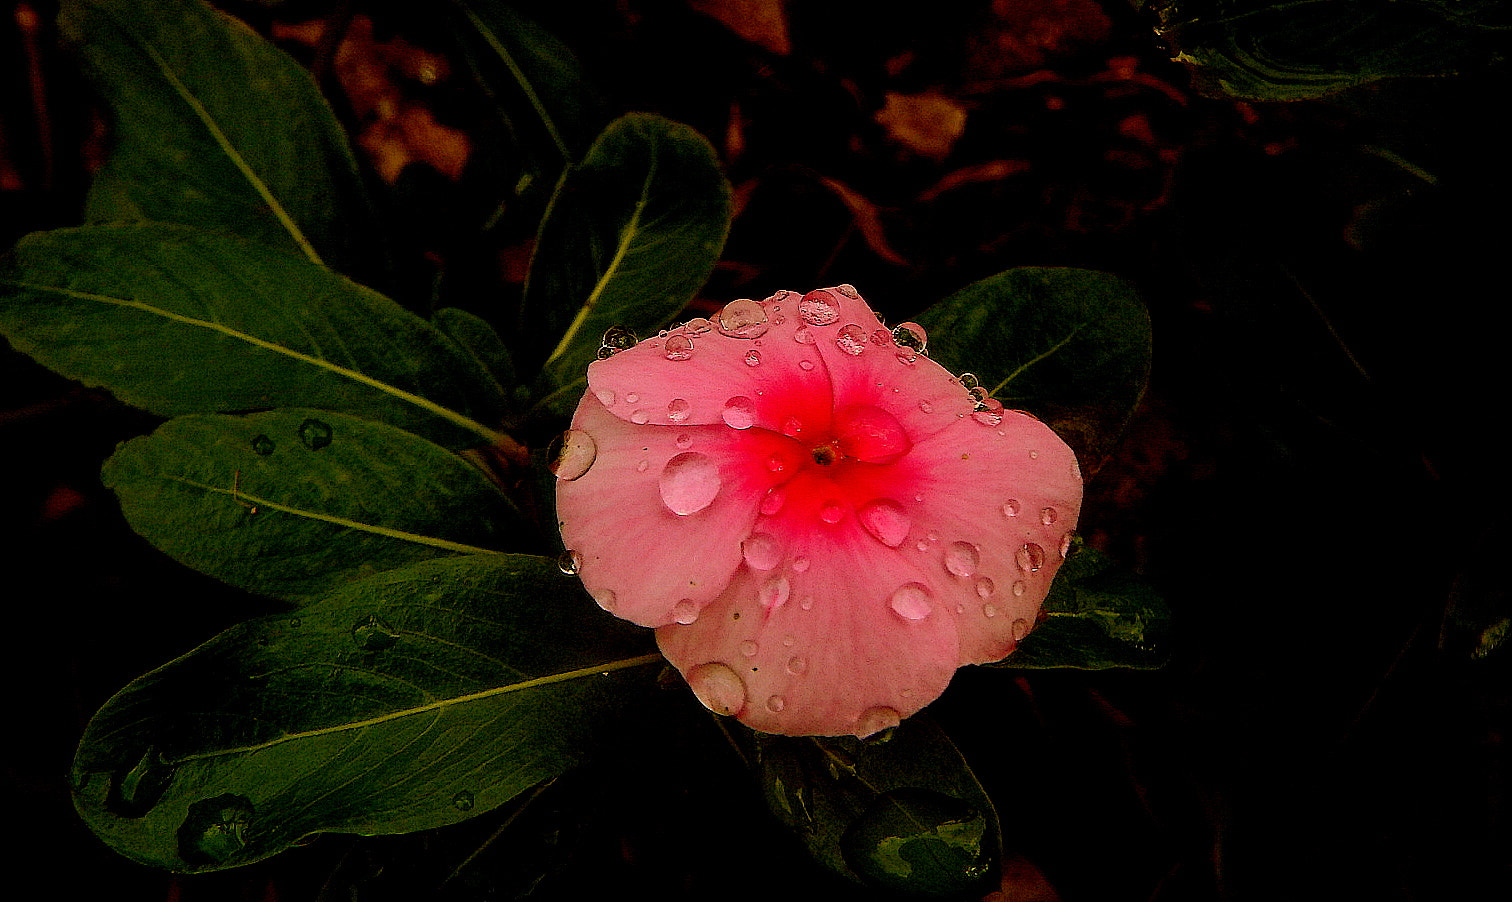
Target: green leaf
<point x="474" y="335"/>
<point x="1291" y="50"/>
<point x="633" y="232"/>
<point x="1098" y="616"/>
<point x="177" y="320"/>
<point x="1070" y="346"/>
<point x="409" y="700"/>
<point x="293" y="502"/>
<point x="216" y="128"/>
<point x="900" y="812"/>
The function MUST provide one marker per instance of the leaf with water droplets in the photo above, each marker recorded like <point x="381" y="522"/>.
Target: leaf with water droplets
<point x="901" y="811"/>
<point x="1070" y="346"/>
<point x="409" y="700"/>
<point x="633" y="232"/>
<point x="291" y="502"/>
<point x="214" y="127"/>
<point x="1098" y="616"/>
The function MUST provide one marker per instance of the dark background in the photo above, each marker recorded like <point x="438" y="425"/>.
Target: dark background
<point x="1314" y="480"/>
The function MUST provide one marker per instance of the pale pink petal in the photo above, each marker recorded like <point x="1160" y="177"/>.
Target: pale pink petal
<point x="656" y="519"/>
<point x="829" y="631"/>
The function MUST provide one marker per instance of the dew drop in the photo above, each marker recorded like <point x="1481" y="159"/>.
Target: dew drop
<point x="315" y="434"/>
<point x="749" y="648"/>
<point x="739" y="412"/>
<point x="684" y="442"/>
<point x="571" y="454"/>
<point x="985" y="587"/>
<point x="1034" y="455"/>
<point x="801" y="564"/>
<point x="773" y="501"/>
<point x="677" y="347"/>
<point x="685" y="612"/>
<point x="1020" y="629"/>
<point x="776" y="703"/>
<point x="807" y="603"/>
<point x="632" y="398"/>
<point x="851" y="340"/>
<point x="569" y="562"/>
<point x="606" y="599"/>
<point x="640" y="417"/>
<point x="761" y="551"/>
<point x="1018" y="588"/>
<point x="605" y="396"/>
<point x="678" y="409"/>
<point x="803" y="336"/>
<point x="1030" y="557"/>
<point x="989" y="611"/>
<point x="698" y="326"/>
<point x="1011" y="508"/>
<point x="911" y="601"/>
<point x="906" y="356"/>
<point x="874" y="720"/>
<point x="644" y="465"/>
<point x="849" y="291"/>
<point x="910" y="336"/>
<point x="968" y="381"/>
<point x="805" y="365"/>
<point x="797" y="666"/>
<point x="882" y="338"/>
<point x="618" y="338"/>
<point x="689" y="483"/>
<point x="463" y="801"/>
<point x="1047" y="515"/>
<point x="742" y="319"/>
<point x="791" y="427"/>
<point x="753" y="357"/>
<point x="1065" y="545"/>
<point x="718" y="687"/>
<point x="962" y="558"/>
<point x="832" y="512"/>
<point x="774" y="592"/>
<point x="262" y="446"/>
<point x="926" y="407"/>
<point x="989" y="412"/>
<point x="819" y="308"/>
<point x="214" y="830"/>
<point x="886" y="520"/>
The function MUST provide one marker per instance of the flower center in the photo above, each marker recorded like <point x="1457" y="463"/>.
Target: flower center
<point x="826" y="454"/>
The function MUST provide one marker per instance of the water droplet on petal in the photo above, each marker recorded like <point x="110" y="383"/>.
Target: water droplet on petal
<point x="851" y="340"/>
<point x="807" y="603"/>
<point x="698" y="326"/>
<point x="906" y="356"/>
<point x="1047" y="515"/>
<point x="742" y="319"/>
<point x="262" y="446"/>
<point x="886" y="520"/>
<point x="985" y="587"/>
<point x="618" y="338"/>
<point x="774" y="592"/>
<point x="571" y="454"/>
<point x="678" y="409"/>
<point x="962" y="558"/>
<point x="718" y="687"/>
<point x="677" y="347"/>
<point x="849" y="291"/>
<point x="1010" y="508"/>
<point x="968" y="381"/>
<point x="791" y="427"/>
<point x="882" y="338"/>
<point x="640" y="417"/>
<point x="1065" y="545"/>
<point x="910" y="336"/>
<point x="832" y="512"/>
<point x="776" y="703"/>
<point x="753" y="358"/>
<point x="685" y="612"/>
<point x="749" y="648"/>
<point x="689" y="483"/>
<point x="570" y="562"/>
<point x="1020" y="629"/>
<point x="606" y="599"/>
<point x="463" y="801"/>
<point x="911" y="601"/>
<point x="989" y="610"/>
<point x="801" y="564"/>
<point x="1018" y="588"/>
<point x="803" y="336"/>
<point x="605" y="396"/>
<point x="797" y="666"/>
<point x="632" y="398"/>
<point x="870" y="434"/>
<point x="819" y="308"/>
<point x="315" y="434"/>
<point x="805" y="365"/>
<point x="926" y="407"/>
<point x="739" y="412"/>
<point x="989" y="412"/>
<point x="1030" y="557"/>
<point x="684" y="442"/>
<point x="644" y="465"/>
<point x="875" y="720"/>
<point x="772" y="503"/>
<point x="761" y="551"/>
<point x="1034" y="455"/>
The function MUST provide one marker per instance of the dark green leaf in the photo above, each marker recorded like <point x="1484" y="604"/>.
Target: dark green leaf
<point x="475" y="336"/>
<point x="1290" y="50"/>
<point x="216" y="128"/>
<point x="409" y="700"/>
<point x="293" y="502"/>
<point x="1098" y="616"/>
<point x="1070" y="346"/>
<point x="176" y="320"/>
<point x="901" y="811"/>
<point x="632" y="234"/>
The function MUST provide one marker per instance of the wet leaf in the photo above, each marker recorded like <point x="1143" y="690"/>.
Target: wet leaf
<point x="1070" y="346"/>
<point x="293" y="502"/>
<point x="216" y="128"/>
<point x="1098" y="616"/>
<point x="409" y="700"/>
<point x="900" y="811"/>
<point x="633" y="232"/>
<point x="176" y="320"/>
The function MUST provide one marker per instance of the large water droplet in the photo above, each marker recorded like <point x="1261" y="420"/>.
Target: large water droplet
<point x="463" y="800"/>
<point x="870" y="434"/>
<point x="742" y="319"/>
<point x="677" y="347"/>
<point x="685" y="612"/>
<point x="678" y="409"/>
<point x="214" y="830"/>
<point x="962" y="558"/>
<point x="739" y="412"/>
<point x="1018" y="588"/>
<point x="851" y="340"/>
<point x="875" y="720"/>
<point x="618" y="338"/>
<point x="791" y="427"/>
<point x="911" y="601"/>
<point x="910" y="336"/>
<point x="819" y="308"/>
<point x="761" y="551"/>
<point x="698" y="326"/>
<point x="689" y="483"/>
<point x="886" y="520"/>
<point x="571" y="454"/>
<point x="1030" y="557"/>
<point x="605" y="396"/>
<point x="315" y="434"/>
<point x="718" y="687"/>
<point x="774" y="592"/>
<point x="263" y="446"/>
<point x="372" y="633"/>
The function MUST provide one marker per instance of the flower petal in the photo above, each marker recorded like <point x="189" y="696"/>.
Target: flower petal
<point x="657" y="516"/>
<point x="829" y="631"/>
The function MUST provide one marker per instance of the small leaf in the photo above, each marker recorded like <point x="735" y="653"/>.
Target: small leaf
<point x="633" y="232"/>
<point x="1070" y="346"/>
<point x="216" y="128"/>
<point x="901" y="811"/>
<point x="293" y="502"/>
<point x="1097" y="617"/>
<point x="177" y="320"/>
<point x="409" y="700"/>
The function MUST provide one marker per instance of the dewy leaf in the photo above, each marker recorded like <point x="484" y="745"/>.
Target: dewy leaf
<point x="900" y="812"/>
<point x="1291" y="50"/>
<point x="632" y="234"/>
<point x="293" y="502"/>
<point x="1098" y="617"/>
<point x="1070" y="346"/>
<point x="177" y="320"/>
<point x="216" y="128"/>
<point x="409" y="700"/>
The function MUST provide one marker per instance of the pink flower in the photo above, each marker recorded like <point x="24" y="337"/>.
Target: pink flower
<point x="820" y="523"/>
